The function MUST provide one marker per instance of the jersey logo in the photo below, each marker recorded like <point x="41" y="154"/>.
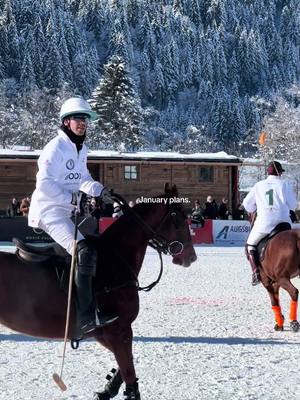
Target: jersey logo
<point x="71" y="176"/>
<point x="70" y="164"/>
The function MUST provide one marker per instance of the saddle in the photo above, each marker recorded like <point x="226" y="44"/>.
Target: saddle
<point x="31" y="253"/>
<point x="262" y="244"/>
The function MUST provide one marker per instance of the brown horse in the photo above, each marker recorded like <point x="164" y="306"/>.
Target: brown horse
<point x="281" y="263"/>
<point x="32" y="301"/>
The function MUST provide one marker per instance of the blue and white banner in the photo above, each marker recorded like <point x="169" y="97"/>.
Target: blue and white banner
<point x="230" y="232"/>
<point x="233" y="232"/>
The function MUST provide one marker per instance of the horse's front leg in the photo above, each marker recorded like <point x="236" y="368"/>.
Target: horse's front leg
<point x="119" y="341"/>
<point x="273" y="291"/>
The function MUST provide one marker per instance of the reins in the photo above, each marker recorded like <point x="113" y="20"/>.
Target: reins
<point x="151" y="286"/>
<point x="157" y="242"/>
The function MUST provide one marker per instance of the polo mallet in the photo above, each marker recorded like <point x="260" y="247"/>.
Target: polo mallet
<point x="58" y="377"/>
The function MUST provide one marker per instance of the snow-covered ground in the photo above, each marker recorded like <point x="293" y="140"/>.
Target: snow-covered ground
<point x="204" y="333"/>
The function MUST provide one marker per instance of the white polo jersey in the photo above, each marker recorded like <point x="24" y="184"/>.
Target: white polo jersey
<point x="272" y="199"/>
<point x="62" y="171"/>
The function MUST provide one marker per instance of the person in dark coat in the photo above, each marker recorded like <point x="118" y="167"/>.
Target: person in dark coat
<point x="196" y="216"/>
<point x="239" y="212"/>
<point x="223" y="210"/>
<point x="13" y="209"/>
<point x="210" y="210"/>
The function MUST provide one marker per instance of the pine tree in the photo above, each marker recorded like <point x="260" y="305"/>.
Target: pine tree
<point x="28" y="77"/>
<point x="118" y="108"/>
<point x="282" y="129"/>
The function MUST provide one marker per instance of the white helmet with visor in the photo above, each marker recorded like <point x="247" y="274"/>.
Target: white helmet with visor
<point x="77" y="105"/>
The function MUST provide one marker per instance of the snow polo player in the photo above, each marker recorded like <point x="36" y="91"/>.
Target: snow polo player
<point x="62" y="173"/>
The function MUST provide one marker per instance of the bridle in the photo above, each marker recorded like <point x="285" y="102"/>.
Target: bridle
<point x="157" y="240"/>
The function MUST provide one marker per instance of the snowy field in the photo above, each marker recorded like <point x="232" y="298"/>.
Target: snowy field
<point x="204" y="333"/>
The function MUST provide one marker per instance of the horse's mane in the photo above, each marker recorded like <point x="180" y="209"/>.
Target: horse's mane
<point x="124" y="222"/>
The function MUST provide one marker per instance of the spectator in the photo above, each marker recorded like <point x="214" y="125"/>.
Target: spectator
<point x="24" y="207"/>
<point x="117" y="210"/>
<point x="239" y="212"/>
<point x="13" y="209"/>
<point x="210" y="210"/>
<point x="196" y="216"/>
<point x="223" y="210"/>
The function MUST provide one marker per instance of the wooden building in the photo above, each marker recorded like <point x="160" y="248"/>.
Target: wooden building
<point x="134" y="174"/>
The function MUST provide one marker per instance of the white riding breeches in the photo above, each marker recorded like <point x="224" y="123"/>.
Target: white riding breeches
<point x="62" y="232"/>
<point x="256" y="234"/>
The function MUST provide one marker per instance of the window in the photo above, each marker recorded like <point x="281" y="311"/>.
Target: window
<point x="206" y="174"/>
<point x="130" y="172"/>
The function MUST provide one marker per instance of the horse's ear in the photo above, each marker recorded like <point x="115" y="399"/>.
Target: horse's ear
<point x="174" y="191"/>
<point x="167" y="189"/>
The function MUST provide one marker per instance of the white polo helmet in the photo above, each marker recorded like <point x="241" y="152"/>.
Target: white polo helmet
<point x="76" y="105"/>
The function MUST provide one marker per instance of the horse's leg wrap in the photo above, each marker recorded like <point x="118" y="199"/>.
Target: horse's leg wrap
<point x="293" y="310"/>
<point x="278" y="316"/>
<point x="112" y="387"/>
<point x="132" y="391"/>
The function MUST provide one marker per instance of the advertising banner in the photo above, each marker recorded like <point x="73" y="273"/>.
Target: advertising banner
<point x="202" y="235"/>
<point x="230" y="232"/>
<point x="17" y="227"/>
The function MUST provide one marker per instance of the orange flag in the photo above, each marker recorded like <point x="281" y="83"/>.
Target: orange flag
<point x="262" y="138"/>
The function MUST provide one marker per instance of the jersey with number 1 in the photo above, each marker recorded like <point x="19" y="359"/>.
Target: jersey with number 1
<point x="272" y="199"/>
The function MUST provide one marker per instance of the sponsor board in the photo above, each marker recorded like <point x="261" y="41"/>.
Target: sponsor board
<point x="202" y="235"/>
<point x="230" y="231"/>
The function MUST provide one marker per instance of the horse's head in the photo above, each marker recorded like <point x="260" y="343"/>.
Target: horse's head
<point x="172" y="229"/>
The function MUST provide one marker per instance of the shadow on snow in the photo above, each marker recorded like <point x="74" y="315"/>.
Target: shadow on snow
<point x="230" y="341"/>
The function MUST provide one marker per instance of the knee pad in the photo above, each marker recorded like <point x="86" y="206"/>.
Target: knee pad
<point x="250" y="247"/>
<point x="86" y="259"/>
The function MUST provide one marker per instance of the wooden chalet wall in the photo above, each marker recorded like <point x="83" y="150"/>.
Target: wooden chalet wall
<point x="153" y="175"/>
<point x="17" y="179"/>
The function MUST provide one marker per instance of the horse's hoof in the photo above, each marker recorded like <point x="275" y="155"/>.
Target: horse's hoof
<point x="101" y="396"/>
<point x="278" y="328"/>
<point x="295" y="326"/>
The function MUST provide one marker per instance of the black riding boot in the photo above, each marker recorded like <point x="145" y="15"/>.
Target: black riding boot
<point x="254" y="262"/>
<point x="86" y="307"/>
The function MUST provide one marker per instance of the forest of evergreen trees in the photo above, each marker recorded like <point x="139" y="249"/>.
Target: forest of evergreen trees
<point x="191" y="75"/>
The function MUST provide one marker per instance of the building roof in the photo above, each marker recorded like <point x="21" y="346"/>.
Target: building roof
<point x="98" y="155"/>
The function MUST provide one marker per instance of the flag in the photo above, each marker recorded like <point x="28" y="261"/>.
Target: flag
<point x="262" y="138"/>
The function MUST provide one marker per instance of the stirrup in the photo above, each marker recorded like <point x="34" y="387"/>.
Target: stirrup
<point x="93" y="324"/>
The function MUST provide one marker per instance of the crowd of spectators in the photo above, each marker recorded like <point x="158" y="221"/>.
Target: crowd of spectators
<point x="17" y="208"/>
<point x="211" y="210"/>
<point x="208" y="210"/>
